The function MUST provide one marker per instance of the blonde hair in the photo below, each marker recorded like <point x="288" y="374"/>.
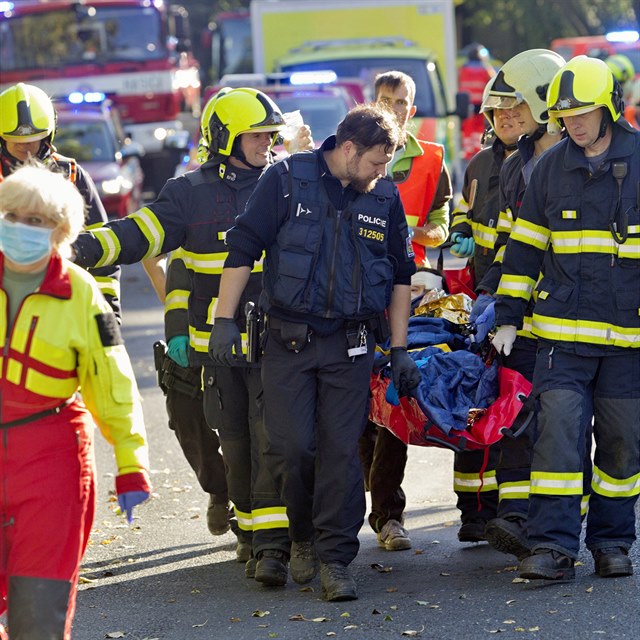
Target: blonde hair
<point x="35" y="189"/>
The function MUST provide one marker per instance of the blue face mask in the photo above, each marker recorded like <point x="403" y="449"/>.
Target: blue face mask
<point x="24" y="244"/>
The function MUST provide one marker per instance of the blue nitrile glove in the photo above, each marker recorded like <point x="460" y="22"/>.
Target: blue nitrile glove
<point x="479" y="305"/>
<point x="178" y="350"/>
<point x="225" y="337"/>
<point x="404" y="371"/>
<point x="462" y="246"/>
<point x="485" y="321"/>
<point x="130" y="499"/>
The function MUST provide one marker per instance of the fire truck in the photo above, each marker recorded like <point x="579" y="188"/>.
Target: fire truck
<point x="136" y="53"/>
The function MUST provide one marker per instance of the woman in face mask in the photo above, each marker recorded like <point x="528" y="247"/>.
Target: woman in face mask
<point x="57" y="336"/>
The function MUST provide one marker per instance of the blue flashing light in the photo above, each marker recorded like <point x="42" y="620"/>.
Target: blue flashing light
<point x="6" y="6"/>
<point x="77" y="97"/>
<point x="623" y="36"/>
<point x="313" y="77"/>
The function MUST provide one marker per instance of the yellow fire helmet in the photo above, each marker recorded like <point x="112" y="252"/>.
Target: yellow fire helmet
<point x="485" y="109"/>
<point x="26" y="114"/>
<point x="525" y="78"/>
<point x="621" y="67"/>
<point x="207" y="112"/>
<point x="237" y="111"/>
<point x="582" y="85"/>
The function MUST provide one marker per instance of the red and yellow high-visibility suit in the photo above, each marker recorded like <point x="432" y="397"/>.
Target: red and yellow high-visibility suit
<point x="64" y="339"/>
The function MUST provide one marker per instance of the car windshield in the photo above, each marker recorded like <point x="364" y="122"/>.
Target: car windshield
<point x="321" y="112"/>
<point x="54" y="39"/>
<point x="85" y="141"/>
<point x="428" y="102"/>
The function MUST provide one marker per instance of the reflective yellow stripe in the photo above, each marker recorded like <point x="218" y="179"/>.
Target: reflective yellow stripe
<point x="210" y="263"/>
<point x="151" y="229"/>
<point x="50" y="387"/>
<point x="110" y="246"/>
<point x="630" y="249"/>
<point x="556" y="484"/>
<point x="412" y="221"/>
<point x="514" y="490"/>
<point x="606" y="485"/>
<point x="527" y="328"/>
<point x="584" y="241"/>
<point x="483" y="235"/>
<point x="500" y="254"/>
<point x="586" y="331"/>
<point x="199" y="340"/>
<point x="505" y="221"/>
<point x="516" y="286"/>
<point x="245" y="522"/>
<point x="584" y="505"/>
<point x="270" y="518"/>
<point x="176" y="299"/>
<point x="531" y="234"/>
<point x="471" y="482"/>
<point x="108" y="286"/>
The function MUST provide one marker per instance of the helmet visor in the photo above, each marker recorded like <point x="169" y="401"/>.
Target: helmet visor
<point x="494" y="101"/>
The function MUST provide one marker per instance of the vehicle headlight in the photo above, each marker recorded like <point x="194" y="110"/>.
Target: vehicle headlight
<point x="116" y="186"/>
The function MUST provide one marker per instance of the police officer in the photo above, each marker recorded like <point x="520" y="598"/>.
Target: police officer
<point x="27" y="129"/>
<point x="579" y="225"/>
<point x="338" y="254"/>
<point x="419" y="172"/>
<point x="194" y="211"/>
<point x="473" y="235"/>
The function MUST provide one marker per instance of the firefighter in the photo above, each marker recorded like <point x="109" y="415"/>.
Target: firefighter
<point x="473" y="235"/>
<point x="419" y="172"/>
<point x="521" y="86"/>
<point x="579" y="225"/>
<point x="623" y="71"/>
<point x="27" y="129"/>
<point x="194" y="211"/>
<point x="59" y="339"/>
<point x="337" y="255"/>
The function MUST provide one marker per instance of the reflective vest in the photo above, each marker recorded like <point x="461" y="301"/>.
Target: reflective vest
<point x="418" y="188"/>
<point x="326" y="262"/>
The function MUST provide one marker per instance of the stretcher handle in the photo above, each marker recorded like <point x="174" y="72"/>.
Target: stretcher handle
<point x="506" y="431"/>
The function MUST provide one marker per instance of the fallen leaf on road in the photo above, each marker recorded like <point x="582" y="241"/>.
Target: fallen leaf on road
<point x="394" y="607"/>
<point x="392" y="589"/>
<point x="116" y="634"/>
<point x="410" y="633"/>
<point x="443" y="573"/>
<point x="234" y="619"/>
<point x="387" y="618"/>
<point x="533" y="629"/>
<point x="589" y="589"/>
<point x="331" y="634"/>
<point x="381" y="568"/>
<point x="511" y="601"/>
<point x="520" y="580"/>
<point x="351" y="626"/>
<point x="197" y="626"/>
<point x="82" y="580"/>
<point x="260" y="614"/>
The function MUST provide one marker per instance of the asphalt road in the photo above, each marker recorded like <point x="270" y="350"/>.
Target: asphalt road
<point x="166" y="578"/>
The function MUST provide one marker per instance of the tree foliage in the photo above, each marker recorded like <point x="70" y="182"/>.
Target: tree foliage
<point x="509" y="26"/>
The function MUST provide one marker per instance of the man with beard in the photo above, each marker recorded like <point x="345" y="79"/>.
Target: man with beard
<point x="338" y="254"/>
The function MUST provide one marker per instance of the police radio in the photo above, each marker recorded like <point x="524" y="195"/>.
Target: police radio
<point x="254" y="329"/>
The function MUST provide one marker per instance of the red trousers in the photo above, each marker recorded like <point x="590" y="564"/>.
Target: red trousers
<point x="47" y="502"/>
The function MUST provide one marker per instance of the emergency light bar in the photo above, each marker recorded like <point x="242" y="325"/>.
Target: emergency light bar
<point x="622" y="36"/>
<point x="312" y="77"/>
<point x="77" y="97"/>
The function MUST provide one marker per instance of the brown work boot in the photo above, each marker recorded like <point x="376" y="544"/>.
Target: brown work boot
<point x="393" y="537"/>
<point x="337" y="582"/>
<point x="271" y="569"/>
<point x="304" y="563"/>
<point x="547" y="564"/>
<point x="612" y="562"/>
<point x="243" y="551"/>
<point x="218" y="517"/>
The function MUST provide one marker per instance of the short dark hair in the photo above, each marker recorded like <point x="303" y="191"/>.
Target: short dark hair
<point x="368" y="126"/>
<point x="393" y="80"/>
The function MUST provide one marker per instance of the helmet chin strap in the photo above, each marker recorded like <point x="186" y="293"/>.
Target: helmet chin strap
<point x="538" y="133"/>
<point x="604" y="123"/>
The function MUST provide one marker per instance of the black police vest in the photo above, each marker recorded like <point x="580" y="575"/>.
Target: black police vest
<point x="327" y="262"/>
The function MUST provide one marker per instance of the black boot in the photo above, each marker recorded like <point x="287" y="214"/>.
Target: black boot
<point x="547" y="564"/>
<point x="612" y="562"/>
<point x="271" y="569"/>
<point x="508" y="535"/>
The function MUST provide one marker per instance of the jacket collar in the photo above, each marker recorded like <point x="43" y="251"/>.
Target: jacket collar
<point x="56" y="282"/>
<point x="623" y="144"/>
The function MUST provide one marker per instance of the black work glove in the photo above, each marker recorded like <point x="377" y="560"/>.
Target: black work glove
<point x="225" y="337"/>
<point x="405" y="373"/>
